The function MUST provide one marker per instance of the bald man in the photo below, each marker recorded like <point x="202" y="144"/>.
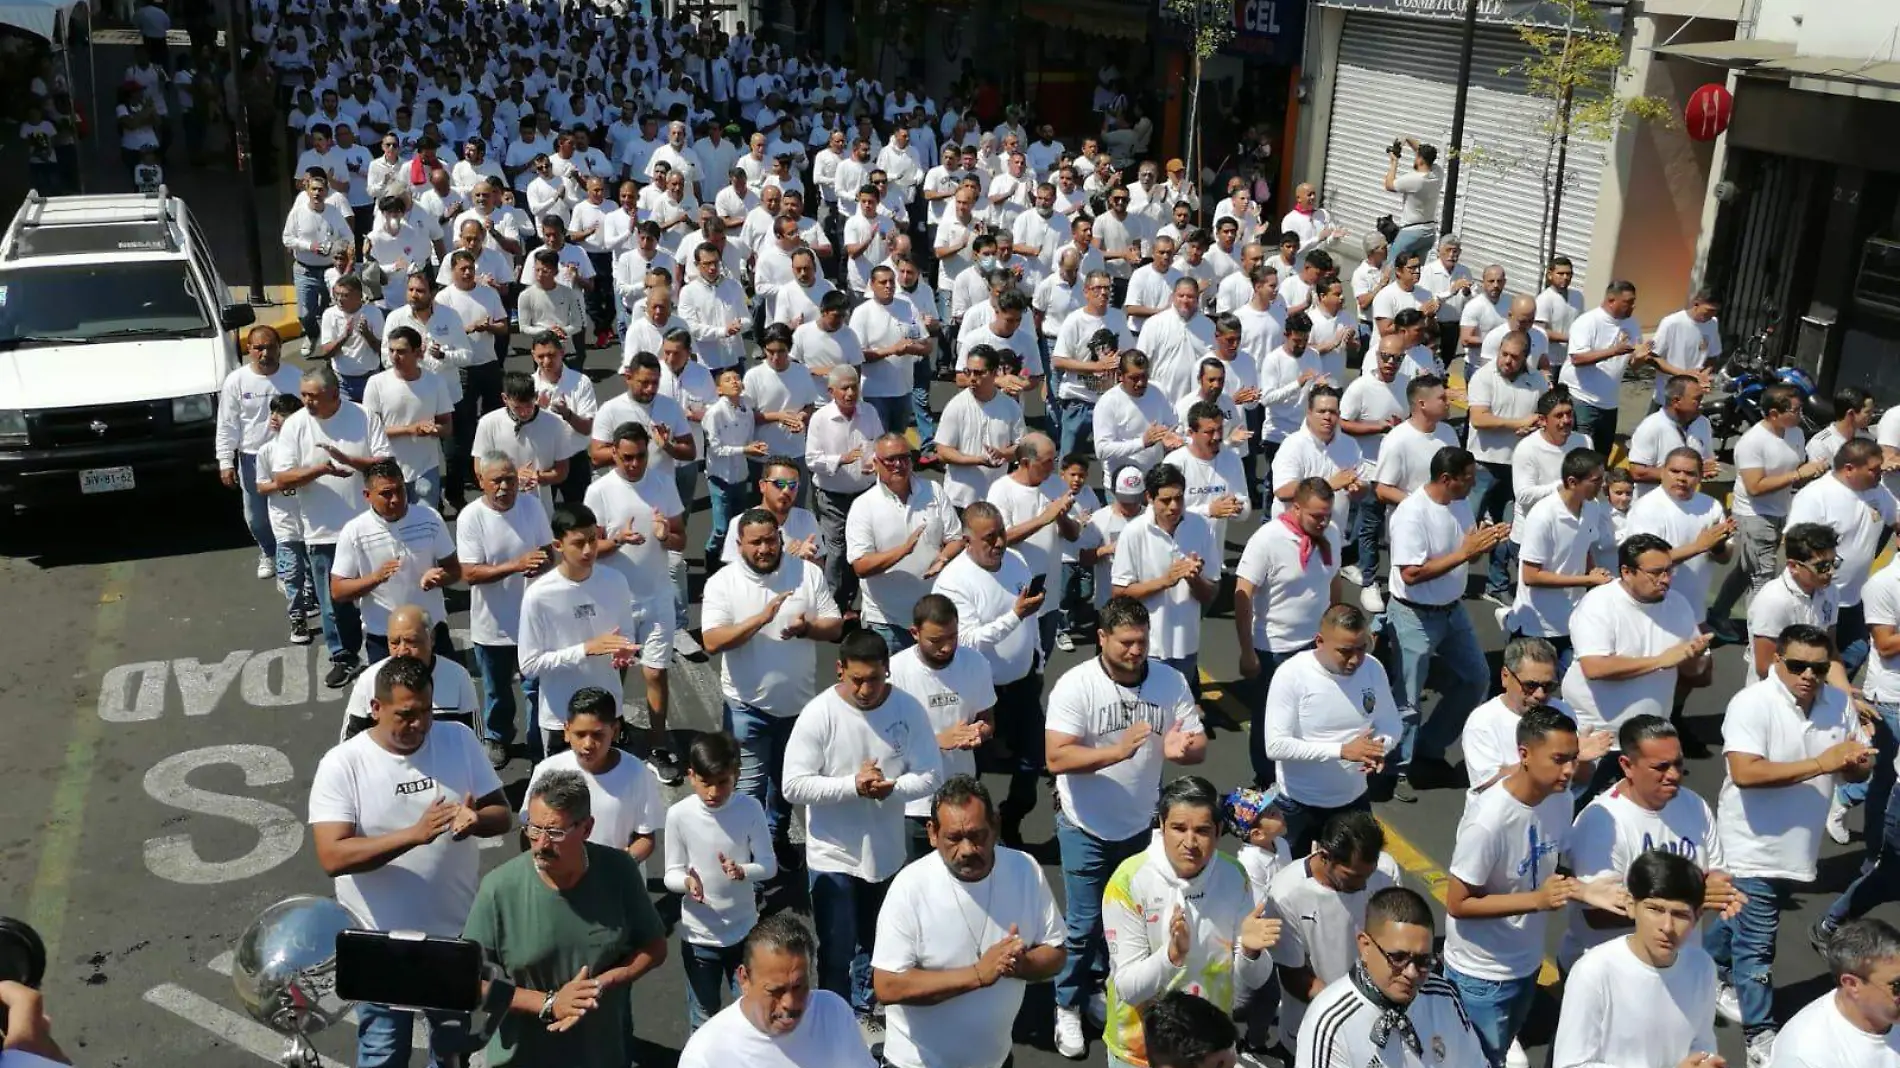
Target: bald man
<point x="1521" y="316"/>
<point x="453" y="697"/>
<point x="1309" y="221"/>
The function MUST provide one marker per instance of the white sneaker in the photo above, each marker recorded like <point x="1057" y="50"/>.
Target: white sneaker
<point x="1728" y="1004"/>
<point x="267" y="568"/>
<point x="1352" y="574"/>
<point x="1515" y="1057"/>
<point x="1069" y="1041"/>
<point x="1503" y="615"/>
<point x="1370" y="600"/>
<point x="1761" y="1050"/>
<point x="1837" y="821"/>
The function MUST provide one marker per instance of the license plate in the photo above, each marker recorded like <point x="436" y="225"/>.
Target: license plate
<point x="105" y="479"/>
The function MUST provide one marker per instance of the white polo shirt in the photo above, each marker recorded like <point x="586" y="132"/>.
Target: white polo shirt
<point x="1421" y="529"/>
<point x="878" y="521"/>
<point x="1659" y="434"/>
<point x="1609" y="622"/>
<point x="1857" y="516"/>
<point x="1312" y="713"/>
<point x="1145" y="551"/>
<point x="1556" y="539"/>
<point x="1289" y="597"/>
<point x="1880" y="600"/>
<point x="1115" y="803"/>
<point x="1774" y="832"/>
<point x="1780" y="604"/>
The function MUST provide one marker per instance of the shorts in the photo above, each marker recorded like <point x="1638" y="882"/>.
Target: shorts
<point x="654" y="628"/>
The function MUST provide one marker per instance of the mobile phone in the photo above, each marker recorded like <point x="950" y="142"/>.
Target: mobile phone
<point x="409" y="969"/>
<point x="1037" y="585"/>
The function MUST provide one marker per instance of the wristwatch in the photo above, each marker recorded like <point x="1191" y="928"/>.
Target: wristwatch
<point x="547" y="1010"/>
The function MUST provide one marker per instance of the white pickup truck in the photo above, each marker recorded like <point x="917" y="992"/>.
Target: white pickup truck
<point x="115" y="335"/>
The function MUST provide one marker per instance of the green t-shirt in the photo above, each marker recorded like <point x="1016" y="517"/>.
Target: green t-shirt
<point x="541" y="937"/>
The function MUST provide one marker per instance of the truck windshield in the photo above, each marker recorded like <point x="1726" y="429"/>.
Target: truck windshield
<point x="95" y="302"/>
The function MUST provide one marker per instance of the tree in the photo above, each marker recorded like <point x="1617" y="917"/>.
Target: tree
<point x="1210" y="25"/>
<point x="1577" y="69"/>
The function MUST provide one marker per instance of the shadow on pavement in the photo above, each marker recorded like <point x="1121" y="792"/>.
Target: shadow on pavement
<point x="145" y="528"/>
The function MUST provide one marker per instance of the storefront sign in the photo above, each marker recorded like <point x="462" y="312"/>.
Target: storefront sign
<point x="1507" y="12"/>
<point x="1269" y="30"/>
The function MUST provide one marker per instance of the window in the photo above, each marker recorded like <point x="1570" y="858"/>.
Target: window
<point x="97" y="302"/>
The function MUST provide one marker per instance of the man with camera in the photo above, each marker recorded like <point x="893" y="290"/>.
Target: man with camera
<point x="1417" y="217"/>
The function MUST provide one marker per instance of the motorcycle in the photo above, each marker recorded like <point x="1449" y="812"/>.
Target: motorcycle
<point x="1734" y="404"/>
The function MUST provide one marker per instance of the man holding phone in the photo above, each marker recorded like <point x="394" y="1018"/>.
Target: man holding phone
<point x="393" y="813"/>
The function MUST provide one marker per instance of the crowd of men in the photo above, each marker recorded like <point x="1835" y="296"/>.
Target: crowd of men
<point x="788" y="257"/>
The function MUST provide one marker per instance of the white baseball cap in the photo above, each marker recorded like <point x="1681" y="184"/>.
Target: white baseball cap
<point x="1129" y="483"/>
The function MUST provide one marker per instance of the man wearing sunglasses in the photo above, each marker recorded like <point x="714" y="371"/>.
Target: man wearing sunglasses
<point x="1788" y="741"/>
<point x="1529" y="680"/>
<point x="1852" y="1025"/>
<point x="1390" y="1009"/>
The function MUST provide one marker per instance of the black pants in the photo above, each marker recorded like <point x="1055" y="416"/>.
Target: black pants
<point x="481" y="394"/>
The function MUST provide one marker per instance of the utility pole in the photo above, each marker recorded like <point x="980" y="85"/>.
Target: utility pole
<point x="241" y="144"/>
<point x="1456" y="149"/>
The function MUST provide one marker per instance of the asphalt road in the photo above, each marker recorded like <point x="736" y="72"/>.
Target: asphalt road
<point x="163" y="734"/>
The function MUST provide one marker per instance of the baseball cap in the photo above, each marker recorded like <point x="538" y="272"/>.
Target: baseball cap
<point x="1176" y="165"/>
<point x="1129" y="483"/>
<point x="1374" y="241"/>
<point x="1242" y="808"/>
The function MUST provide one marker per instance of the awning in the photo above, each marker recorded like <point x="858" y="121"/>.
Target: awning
<point x="1102" y="18"/>
<point x="1741" y="55"/>
<point x="1852" y="75"/>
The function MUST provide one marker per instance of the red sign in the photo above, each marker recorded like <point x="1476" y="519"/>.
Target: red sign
<point x="1708" y="111"/>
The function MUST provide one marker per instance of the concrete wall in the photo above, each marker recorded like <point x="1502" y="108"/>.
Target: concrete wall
<point x="1859" y="29"/>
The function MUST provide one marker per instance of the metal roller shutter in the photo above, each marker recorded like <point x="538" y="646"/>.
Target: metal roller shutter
<point x="1398" y="77"/>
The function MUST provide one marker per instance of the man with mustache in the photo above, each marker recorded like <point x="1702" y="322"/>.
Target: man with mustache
<point x="779" y="1021"/>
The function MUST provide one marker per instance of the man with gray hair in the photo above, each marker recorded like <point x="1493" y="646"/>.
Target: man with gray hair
<point x="1450" y="283"/>
<point x="570" y="923"/>
<point x="1852" y="1025"/>
<point x="838" y="451"/>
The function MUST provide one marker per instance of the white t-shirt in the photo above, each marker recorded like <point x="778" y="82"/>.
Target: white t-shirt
<point x="420" y="539"/>
<point x="1658" y="435"/>
<point x="1679" y="523"/>
<point x="1208" y="481"/>
<point x="1405" y="458"/>
<point x="1773" y="454"/>
<point x="986" y="613"/>
<point x="1820" y="1037"/>
<point x="1536" y="473"/>
<point x="1145" y="551"/>
<point x="1505" y="846"/>
<point x="286" y="518"/>
<point x="952" y="695"/>
<point x="915" y="930"/>
<point x="845" y="832"/>
<point x="1880" y="601"/>
<point x="696" y="837"/>
<point x="1303" y="455"/>
<point x="1489" y="739"/>
<point x="329" y="501"/>
<point x="662" y="410"/>
<point x="1619" y="1010"/>
<point x="539" y="443"/>
<point x="1312" y="713"/>
<point x="1685" y="343"/>
<point x="1041" y="551"/>
<point x="1613" y="830"/>
<point x="621" y="505"/>
<point x="397" y="402"/>
<point x="486" y="537"/>
<point x="1887" y="434"/>
<point x="451" y="693"/>
<point x="1368" y="399"/>
<point x="1609" y="622"/>
<point x="1289" y="597"/>
<point x="1774" y="832"/>
<point x="428" y="888"/>
<point x="790" y="390"/>
<point x="625" y="800"/>
<point x="771" y="672"/>
<point x="1116" y="803"/>
<point x="1320" y="925"/>
<point x="1558" y="540"/>
<point x="827" y="1034"/>
<point x="1506" y="398"/>
<point x="1556" y="311"/>
<point x="971" y="426"/>
<point x="1857" y="516"/>
<point x="1600" y="383"/>
<point x="1422" y="529"/>
<point x="559" y="616"/>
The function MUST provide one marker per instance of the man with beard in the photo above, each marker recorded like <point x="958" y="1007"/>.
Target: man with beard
<point x="952" y="990"/>
<point x="1649" y="997"/>
<point x="855" y="745"/>
<point x="570" y="924"/>
<point x="957" y="690"/>
<point x="392" y="813"/>
<point x="1390" y="1005"/>
<point x="779" y="1021"/>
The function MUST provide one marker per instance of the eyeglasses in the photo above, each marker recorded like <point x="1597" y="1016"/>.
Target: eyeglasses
<point x="1398" y="962"/>
<point x="1817" y="668"/>
<point x="1118" y="200"/>
<point x="1537" y="685"/>
<point x="900" y="460"/>
<point x="1662" y="767"/>
<point x="1657" y="572"/>
<point x="557" y="835"/>
<point x="786" y="484"/>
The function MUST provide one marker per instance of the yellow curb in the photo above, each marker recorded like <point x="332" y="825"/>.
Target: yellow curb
<point x="279" y="312"/>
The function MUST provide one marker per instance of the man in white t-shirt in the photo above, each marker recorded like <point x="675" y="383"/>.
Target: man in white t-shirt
<point x="1529" y="674"/>
<point x="1503" y="395"/>
<point x="393" y="813"/>
<point x="1405" y="460"/>
<point x="856" y="745"/>
<point x="1509" y="868"/>
<point x="1859" y="508"/>
<point x="1770" y="460"/>
<point x="1565" y="546"/>
<point x="1037" y="509"/>
<point x="958" y="692"/>
<point x="1133" y="424"/>
<point x="779" y="1021"/>
<point x="1856" y="1024"/>
<point x="1694" y="524"/>
<point x="502" y="539"/>
<point x="1321" y="901"/>
<point x="1679" y="423"/>
<point x="1605" y="342"/>
<point x="1169" y="561"/>
<point x="392" y="555"/>
<point x="1484" y="311"/>
<point x="1111" y="723"/>
<point x="1688" y="342"/>
<point x="898" y="535"/>
<point x="1558" y="306"/>
<point x="1788" y="742"/>
<point x="953" y="984"/>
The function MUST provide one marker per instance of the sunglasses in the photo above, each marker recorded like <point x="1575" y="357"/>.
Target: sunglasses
<point x="1817" y="668"/>
<point x="786" y="484"/>
<point x="1398" y="962"/>
<point x="1537" y="685"/>
<point x="1820" y="567"/>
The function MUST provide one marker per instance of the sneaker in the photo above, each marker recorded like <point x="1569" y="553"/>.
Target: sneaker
<point x="1350" y="573"/>
<point x="1820" y="935"/>
<point x="665" y="765"/>
<point x="1761" y="1050"/>
<point x="300" y="631"/>
<point x="1502" y="615"/>
<point x="1370" y="600"/>
<point x="1402" y="791"/>
<point x="265" y="567"/>
<point x="1728" y="1004"/>
<point x="1501" y="598"/>
<point x="497" y="753"/>
<point x="340" y="674"/>
<point x="1837" y="821"/>
<point x="1069" y="1040"/>
<point x="1250" y="1057"/>
<point x="1065" y="642"/>
<point x="1515" y="1057"/>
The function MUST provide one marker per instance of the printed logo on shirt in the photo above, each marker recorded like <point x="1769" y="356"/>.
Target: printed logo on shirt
<point x="422" y="785"/>
<point x="1438" y="1048"/>
<point x="898" y="736"/>
<point x="1124" y="713"/>
<point x="1368" y="700"/>
<point x="945" y="700"/>
<point x="584" y="611"/>
<point x="1681" y="847"/>
<point x="1539" y="849"/>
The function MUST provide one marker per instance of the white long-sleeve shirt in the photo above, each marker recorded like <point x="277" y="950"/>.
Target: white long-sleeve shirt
<point x="244" y="410"/>
<point x="845" y="832"/>
<point x="696" y="837"/>
<point x="708" y="310"/>
<point x="1312" y="713"/>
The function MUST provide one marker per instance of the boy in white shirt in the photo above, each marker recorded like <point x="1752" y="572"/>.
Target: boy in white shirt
<point x="576" y="623"/>
<point x="730" y="426"/>
<point x="626" y="807"/>
<point x="286" y="521"/>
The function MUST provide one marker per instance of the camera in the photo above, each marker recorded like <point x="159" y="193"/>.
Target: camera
<point x="22" y="957"/>
<point x="1397" y="148"/>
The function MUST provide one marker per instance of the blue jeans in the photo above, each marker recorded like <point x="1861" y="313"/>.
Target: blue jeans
<point x="1190" y="668"/>
<point x="312" y="297"/>
<point x="1494" y="501"/>
<point x="1851" y="636"/>
<point x="709" y="979"/>
<point x="1881" y="883"/>
<point x="762" y="739"/>
<point x="426" y="488"/>
<point x="1414" y="238"/>
<point x="1256" y="688"/>
<point x="891" y="411"/>
<point x="1367" y="516"/>
<point x="1597" y="424"/>
<point x="729" y="500"/>
<point x="342" y="622"/>
<point x="1497" y="1009"/>
<point x="353" y="386"/>
<point x="384" y="1034"/>
<point x="922" y="375"/>
<point x="256" y="511"/>
<point x="1744" y="952"/>
<point x="1423" y="637"/>
<point x="1304" y="822"/>
<point x="293" y="577"/>
<point x="1075" y="421"/>
<point x="844" y="912"/>
<point x="498" y="665"/>
<point x="1087" y="863"/>
<point x="896" y="638"/>
<point x="1077" y="606"/>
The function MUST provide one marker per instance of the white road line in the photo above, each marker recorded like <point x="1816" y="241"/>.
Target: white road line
<point x="418" y="1038"/>
<point x="240" y="1031"/>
